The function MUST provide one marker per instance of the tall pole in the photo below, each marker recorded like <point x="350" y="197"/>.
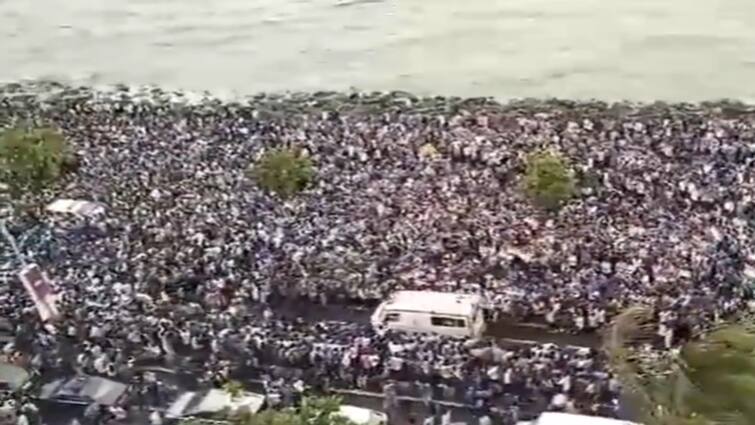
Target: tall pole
<point x="11" y="240"/>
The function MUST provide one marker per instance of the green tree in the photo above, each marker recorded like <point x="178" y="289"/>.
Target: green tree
<point x="271" y="417"/>
<point x="709" y="381"/>
<point x="322" y="411"/>
<point x="548" y="179"/>
<point x="31" y="158"/>
<point x="234" y="388"/>
<point x="313" y="411"/>
<point x="204" y="421"/>
<point x="282" y="171"/>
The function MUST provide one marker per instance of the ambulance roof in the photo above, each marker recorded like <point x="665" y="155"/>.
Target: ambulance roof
<point x="447" y="303"/>
<point x="559" y="418"/>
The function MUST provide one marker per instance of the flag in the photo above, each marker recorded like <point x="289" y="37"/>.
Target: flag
<point x="41" y="291"/>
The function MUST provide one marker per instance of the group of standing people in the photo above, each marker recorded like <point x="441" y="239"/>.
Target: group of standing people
<point x="191" y="250"/>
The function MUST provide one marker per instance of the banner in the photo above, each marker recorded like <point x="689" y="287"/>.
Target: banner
<point x="41" y="291"/>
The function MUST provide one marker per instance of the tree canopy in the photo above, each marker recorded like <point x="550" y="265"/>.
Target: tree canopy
<point x="312" y="411"/>
<point x="234" y="388"/>
<point x="548" y="179"/>
<point x="282" y="171"/>
<point x="709" y="381"/>
<point x="31" y="158"/>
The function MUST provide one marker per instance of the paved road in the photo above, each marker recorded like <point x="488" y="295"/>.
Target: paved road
<point x="409" y="407"/>
<point x="182" y="379"/>
<point x="505" y="329"/>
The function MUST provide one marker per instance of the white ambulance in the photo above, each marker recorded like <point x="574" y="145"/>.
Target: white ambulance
<point x="443" y="313"/>
<point x="559" y="418"/>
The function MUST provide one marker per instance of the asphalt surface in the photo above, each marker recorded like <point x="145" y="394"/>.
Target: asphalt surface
<point x="408" y="407"/>
<point x="505" y="329"/>
<point x="185" y="374"/>
<point x="182" y="379"/>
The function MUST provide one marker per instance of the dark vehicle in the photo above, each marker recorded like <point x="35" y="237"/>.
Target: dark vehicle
<point x="84" y="390"/>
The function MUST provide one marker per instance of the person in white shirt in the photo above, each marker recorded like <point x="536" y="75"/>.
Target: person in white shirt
<point x="185" y="335"/>
<point x="558" y="402"/>
<point x="119" y="413"/>
<point x="579" y="320"/>
<point x="445" y="419"/>
<point x="100" y="364"/>
<point x="155" y="418"/>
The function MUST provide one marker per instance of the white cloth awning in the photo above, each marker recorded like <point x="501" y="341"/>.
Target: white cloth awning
<point x="77" y="207"/>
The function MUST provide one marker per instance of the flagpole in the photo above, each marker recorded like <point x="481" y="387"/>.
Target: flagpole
<point x="12" y="241"/>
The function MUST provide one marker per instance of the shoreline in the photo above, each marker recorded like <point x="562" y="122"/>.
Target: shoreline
<point x="51" y="93"/>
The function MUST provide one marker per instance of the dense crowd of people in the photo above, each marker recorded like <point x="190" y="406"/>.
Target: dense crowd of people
<point x="190" y="248"/>
<point x="346" y="355"/>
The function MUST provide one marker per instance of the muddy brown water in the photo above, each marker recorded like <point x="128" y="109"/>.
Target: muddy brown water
<point x="607" y="49"/>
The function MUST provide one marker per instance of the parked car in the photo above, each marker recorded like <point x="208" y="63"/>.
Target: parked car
<point x="209" y="403"/>
<point x="84" y="390"/>
<point x="12" y="378"/>
<point x="363" y="416"/>
<point x="8" y="413"/>
<point x="213" y="401"/>
<point x="559" y="418"/>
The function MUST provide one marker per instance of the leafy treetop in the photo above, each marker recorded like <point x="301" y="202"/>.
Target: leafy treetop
<point x="283" y="171"/>
<point x="548" y="180"/>
<point x="312" y="411"/>
<point x="31" y="158"/>
<point x="710" y="381"/>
